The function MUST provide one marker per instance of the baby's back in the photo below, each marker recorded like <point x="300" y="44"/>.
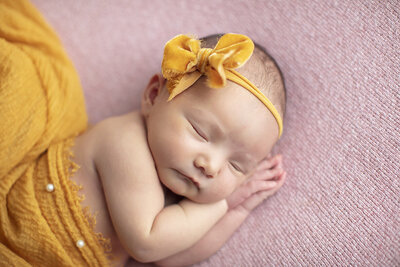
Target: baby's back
<point x="88" y="177"/>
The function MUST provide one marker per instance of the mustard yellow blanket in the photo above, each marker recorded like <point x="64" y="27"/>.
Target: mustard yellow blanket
<point x="41" y="111"/>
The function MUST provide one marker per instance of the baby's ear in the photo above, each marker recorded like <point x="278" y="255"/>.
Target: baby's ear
<point x="152" y="91"/>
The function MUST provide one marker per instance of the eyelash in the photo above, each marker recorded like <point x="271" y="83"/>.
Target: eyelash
<point x="236" y="167"/>
<point x="198" y="132"/>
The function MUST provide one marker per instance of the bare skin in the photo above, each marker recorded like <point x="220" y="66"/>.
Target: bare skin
<point x="125" y="175"/>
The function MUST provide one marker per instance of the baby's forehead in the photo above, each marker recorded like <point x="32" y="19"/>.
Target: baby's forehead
<point x="244" y="133"/>
<point x="234" y="112"/>
<point x="231" y="98"/>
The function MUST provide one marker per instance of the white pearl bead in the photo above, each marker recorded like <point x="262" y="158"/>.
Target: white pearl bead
<point x="50" y="188"/>
<point x="80" y="243"/>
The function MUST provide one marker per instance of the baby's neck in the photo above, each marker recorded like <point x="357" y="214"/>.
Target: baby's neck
<point x="170" y="197"/>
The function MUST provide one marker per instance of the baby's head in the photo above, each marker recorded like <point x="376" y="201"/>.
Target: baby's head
<point x="262" y="70"/>
<point x="205" y="142"/>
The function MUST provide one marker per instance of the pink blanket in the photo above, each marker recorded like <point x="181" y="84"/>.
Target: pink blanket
<point x="340" y="59"/>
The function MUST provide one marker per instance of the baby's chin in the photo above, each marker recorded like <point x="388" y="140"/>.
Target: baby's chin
<point x="183" y="188"/>
<point x="202" y="197"/>
<point x="197" y="197"/>
<point x="176" y="186"/>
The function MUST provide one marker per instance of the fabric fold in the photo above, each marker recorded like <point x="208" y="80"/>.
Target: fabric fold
<point x="42" y="109"/>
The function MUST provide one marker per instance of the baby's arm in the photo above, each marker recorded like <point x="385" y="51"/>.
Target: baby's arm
<point x="135" y="199"/>
<point x="266" y="180"/>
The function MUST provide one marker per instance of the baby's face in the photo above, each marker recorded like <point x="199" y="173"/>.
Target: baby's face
<point x="206" y="142"/>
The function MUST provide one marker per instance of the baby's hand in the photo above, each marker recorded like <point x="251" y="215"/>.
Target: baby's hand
<point x="264" y="182"/>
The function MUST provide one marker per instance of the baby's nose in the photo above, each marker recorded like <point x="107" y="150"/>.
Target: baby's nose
<point x="206" y="167"/>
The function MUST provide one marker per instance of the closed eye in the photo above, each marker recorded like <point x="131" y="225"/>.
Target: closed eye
<point x="200" y="133"/>
<point x="236" y="167"/>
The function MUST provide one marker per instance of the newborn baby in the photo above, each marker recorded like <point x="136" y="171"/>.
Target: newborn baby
<point x="172" y="181"/>
<point x="169" y="183"/>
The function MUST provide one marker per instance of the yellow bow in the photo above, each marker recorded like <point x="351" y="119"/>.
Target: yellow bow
<point x="183" y="55"/>
<point x="185" y="62"/>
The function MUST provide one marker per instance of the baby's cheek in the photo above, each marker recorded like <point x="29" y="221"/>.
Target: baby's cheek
<point x="180" y="145"/>
<point x="242" y="180"/>
<point x="228" y="183"/>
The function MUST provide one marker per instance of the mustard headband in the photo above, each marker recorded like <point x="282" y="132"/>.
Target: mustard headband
<point x="185" y="62"/>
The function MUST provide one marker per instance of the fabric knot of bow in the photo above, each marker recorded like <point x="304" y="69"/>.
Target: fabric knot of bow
<point x="202" y="59"/>
<point x="185" y="61"/>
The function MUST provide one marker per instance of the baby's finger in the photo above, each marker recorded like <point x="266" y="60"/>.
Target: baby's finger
<point x="274" y="173"/>
<point x="269" y="174"/>
<point x="256" y="199"/>
<point x="255" y="186"/>
<point x="279" y="182"/>
<point x="271" y="187"/>
<point x="269" y="163"/>
<point x="267" y="185"/>
<point x="280" y="163"/>
<point x="272" y="190"/>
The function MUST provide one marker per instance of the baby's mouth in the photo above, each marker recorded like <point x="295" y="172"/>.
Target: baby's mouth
<point x="192" y="180"/>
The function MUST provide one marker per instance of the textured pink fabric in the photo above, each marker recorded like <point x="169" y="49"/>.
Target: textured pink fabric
<point x="341" y="202"/>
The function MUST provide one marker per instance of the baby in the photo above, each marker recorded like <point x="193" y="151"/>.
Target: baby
<point x="172" y="181"/>
<point x="169" y="183"/>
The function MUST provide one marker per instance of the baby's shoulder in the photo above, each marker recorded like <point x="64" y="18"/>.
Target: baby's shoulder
<point x="127" y="124"/>
<point x="121" y="135"/>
